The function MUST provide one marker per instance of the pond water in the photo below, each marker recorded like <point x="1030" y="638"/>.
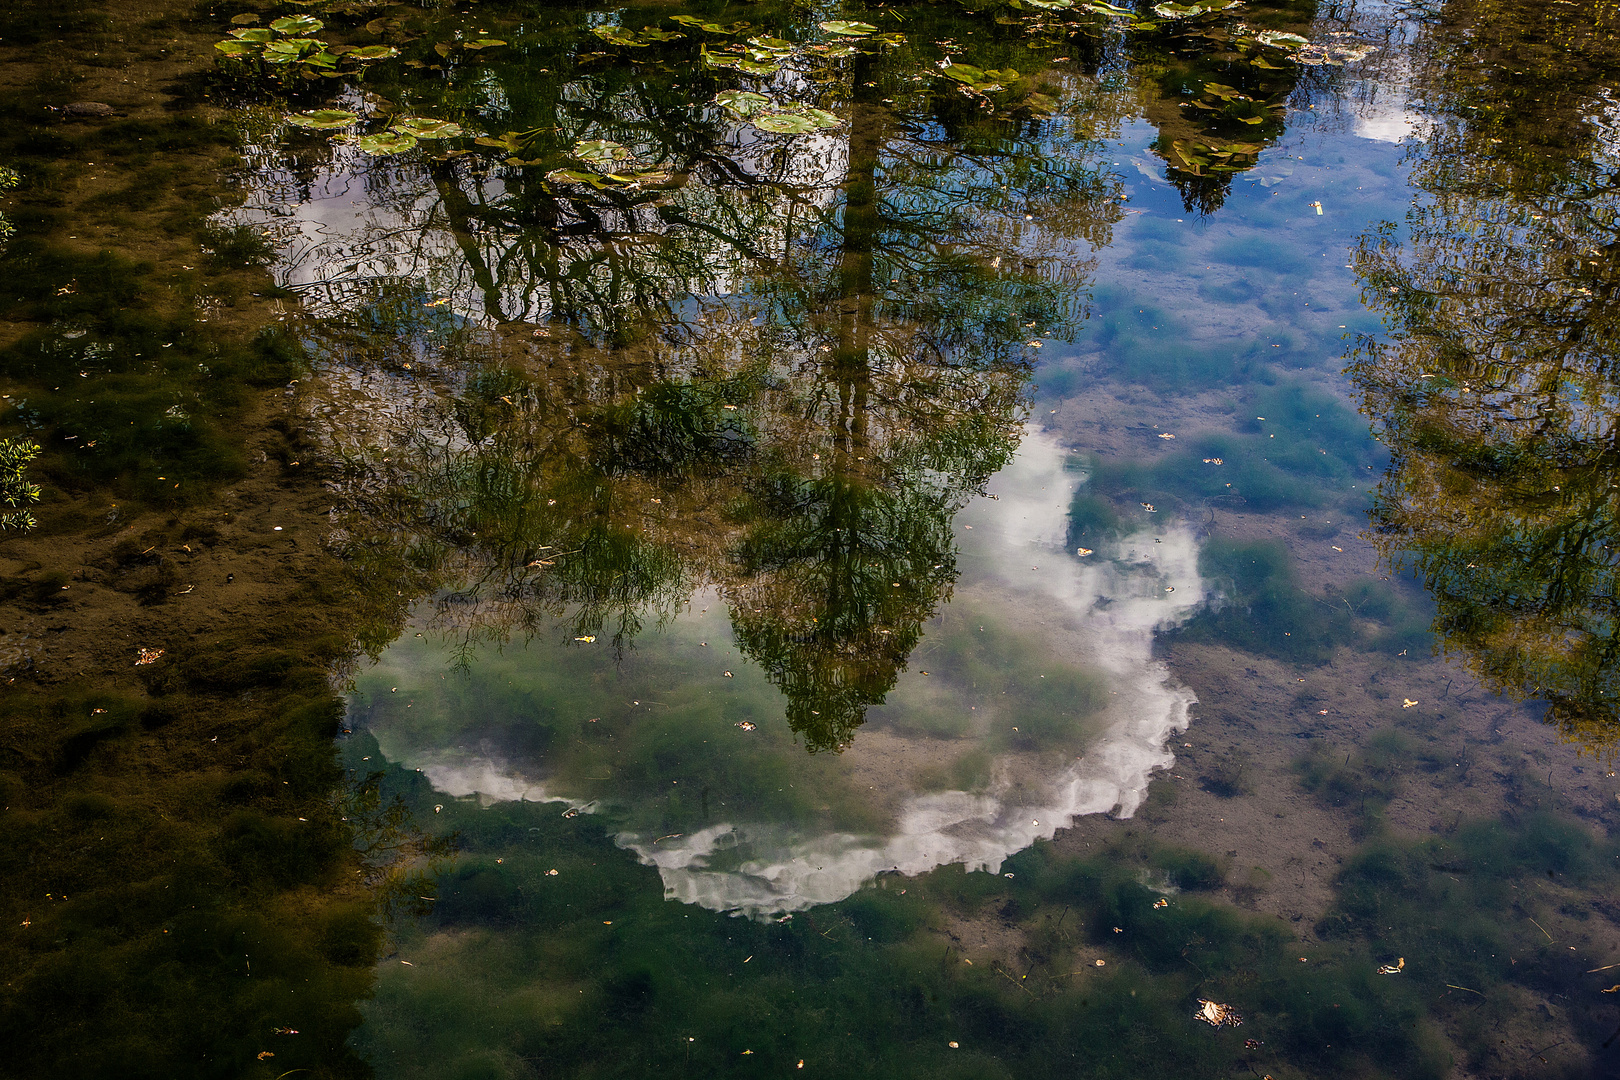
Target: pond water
<point x="1015" y="539"/>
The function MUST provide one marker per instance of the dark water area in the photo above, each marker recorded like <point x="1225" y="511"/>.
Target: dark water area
<point x="967" y="539"/>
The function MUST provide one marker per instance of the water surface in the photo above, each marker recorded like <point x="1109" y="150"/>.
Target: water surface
<point x="1006" y="540"/>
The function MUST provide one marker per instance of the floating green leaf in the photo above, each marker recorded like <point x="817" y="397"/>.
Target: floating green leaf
<point x="795" y="123"/>
<point x="618" y="35"/>
<point x="1187" y="11"/>
<point x="387" y="142"/>
<point x="323" y="119"/>
<point x="573" y="176"/>
<point x="757" y="67"/>
<point x="1102" y="8"/>
<point x="482" y="43"/>
<point x="257" y="33"/>
<point x="297" y="24"/>
<point x="512" y="141"/>
<point x="980" y="79"/>
<point x="423" y="127"/>
<point x="1279" y="40"/>
<point x="771" y="44"/>
<point x="1050" y="5"/>
<point x="287" y="52"/>
<point x="232" y="47"/>
<point x="745" y="103"/>
<point x="600" y="151"/>
<point x="709" y="27"/>
<point x="651" y="33"/>
<point x="847" y="28"/>
<point x="372" y="52"/>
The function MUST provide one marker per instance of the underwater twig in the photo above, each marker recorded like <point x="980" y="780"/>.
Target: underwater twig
<point x="1454" y="986"/>
<point x="1015" y="982"/>
<point x="1543" y="929"/>
<point x="1605" y="967"/>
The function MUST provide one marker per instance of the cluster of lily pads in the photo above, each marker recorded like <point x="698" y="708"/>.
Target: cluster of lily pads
<point x="287" y="46"/>
<point x="401" y="135"/>
<point x="782" y="118"/>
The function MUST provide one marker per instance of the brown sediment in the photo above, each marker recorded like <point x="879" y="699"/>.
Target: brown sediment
<point x="184" y="807"/>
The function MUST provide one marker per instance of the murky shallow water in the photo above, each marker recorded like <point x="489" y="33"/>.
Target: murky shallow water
<point x="907" y="566"/>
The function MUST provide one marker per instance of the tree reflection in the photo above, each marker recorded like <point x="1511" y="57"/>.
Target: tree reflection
<point x="1497" y="390"/>
<point x="776" y="376"/>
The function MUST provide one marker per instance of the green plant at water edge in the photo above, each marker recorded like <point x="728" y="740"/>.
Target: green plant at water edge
<point x="8" y="180"/>
<point x="14" y="486"/>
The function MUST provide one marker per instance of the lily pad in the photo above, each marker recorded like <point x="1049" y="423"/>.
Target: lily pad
<point x="796" y="123"/>
<point x="771" y="44"/>
<point x="423" y="127"/>
<point x="1187" y="11"/>
<point x="297" y="24"/>
<point x="232" y="47"/>
<point x="709" y="27"/>
<point x="387" y="142"/>
<point x="257" y="33"/>
<point x="511" y="141"/>
<point x="373" y="52"/>
<point x="618" y="35"/>
<point x="1050" y="5"/>
<point x="847" y="28"/>
<point x="324" y="119"/>
<point x="1279" y="40"/>
<point x="482" y="43"/>
<point x="600" y="151"/>
<point x="744" y="103"/>
<point x="1102" y="8"/>
<point x="574" y="176"/>
<point x="287" y="52"/>
<point x="979" y="78"/>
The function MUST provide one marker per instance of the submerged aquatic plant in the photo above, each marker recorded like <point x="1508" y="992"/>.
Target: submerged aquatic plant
<point x="15" y="489"/>
<point x="8" y="180"/>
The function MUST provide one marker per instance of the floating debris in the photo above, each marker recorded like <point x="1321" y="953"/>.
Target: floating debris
<point x="551" y="873"/>
<point x="147" y="656"/>
<point x="1216" y="1014"/>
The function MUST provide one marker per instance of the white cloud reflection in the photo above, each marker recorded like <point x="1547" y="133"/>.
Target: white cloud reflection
<point x="1103" y="610"/>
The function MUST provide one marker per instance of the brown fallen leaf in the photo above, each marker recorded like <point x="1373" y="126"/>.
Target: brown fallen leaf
<point x="1216" y="1014"/>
